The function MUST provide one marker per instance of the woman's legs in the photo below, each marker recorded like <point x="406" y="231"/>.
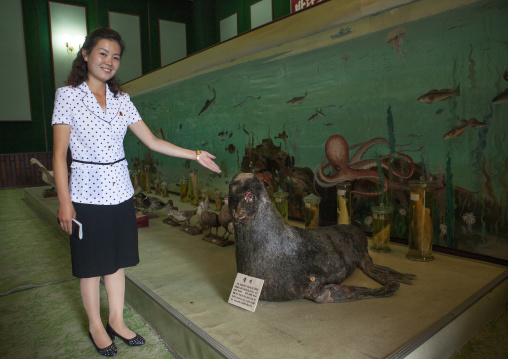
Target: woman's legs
<point x="91" y="300"/>
<point x="115" y="288"/>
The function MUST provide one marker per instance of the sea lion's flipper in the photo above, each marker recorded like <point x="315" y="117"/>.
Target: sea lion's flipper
<point x="334" y="293"/>
<point x="383" y="275"/>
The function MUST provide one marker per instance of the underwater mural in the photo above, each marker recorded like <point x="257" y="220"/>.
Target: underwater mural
<point x="363" y="102"/>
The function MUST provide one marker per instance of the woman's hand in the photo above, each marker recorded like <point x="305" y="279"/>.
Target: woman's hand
<point x="206" y="160"/>
<point x="65" y="215"/>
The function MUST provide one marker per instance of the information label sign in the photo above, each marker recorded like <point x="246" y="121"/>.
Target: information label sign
<point x="246" y="291"/>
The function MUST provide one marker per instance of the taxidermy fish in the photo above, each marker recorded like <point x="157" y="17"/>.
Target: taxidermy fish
<point x="316" y="115"/>
<point x="297" y="100"/>
<point x="501" y="98"/>
<point x="209" y="103"/>
<point x="438" y="95"/>
<point x="248" y="97"/>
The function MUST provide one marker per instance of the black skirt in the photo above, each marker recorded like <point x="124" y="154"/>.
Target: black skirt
<point x="110" y="239"/>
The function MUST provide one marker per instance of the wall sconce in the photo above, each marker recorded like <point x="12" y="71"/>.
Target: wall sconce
<point x="72" y="43"/>
<point x="71" y="47"/>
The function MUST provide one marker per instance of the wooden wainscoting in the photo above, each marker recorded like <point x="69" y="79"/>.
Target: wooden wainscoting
<point x="16" y="170"/>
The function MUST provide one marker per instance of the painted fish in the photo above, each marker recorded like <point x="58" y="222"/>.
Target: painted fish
<point x="297" y="100"/>
<point x="458" y="131"/>
<point x="438" y="112"/>
<point x="439" y="95"/>
<point x="318" y="114"/>
<point x="337" y="107"/>
<point x="222" y="135"/>
<point x="501" y="98"/>
<point x="248" y="97"/>
<point x="208" y="102"/>
<point x="472" y="122"/>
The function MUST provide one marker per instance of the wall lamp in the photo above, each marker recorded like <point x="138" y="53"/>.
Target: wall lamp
<point x="73" y="44"/>
<point x="70" y="48"/>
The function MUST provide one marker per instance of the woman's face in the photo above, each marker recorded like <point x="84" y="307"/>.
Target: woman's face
<point x="103" y="61"/>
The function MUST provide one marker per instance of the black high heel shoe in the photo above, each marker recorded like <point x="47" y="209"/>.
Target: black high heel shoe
<point x="137" y="341"/>
<point x="109" y="351"/>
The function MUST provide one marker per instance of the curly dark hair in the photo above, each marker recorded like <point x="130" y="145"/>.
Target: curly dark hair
<point x="79" y="66"/>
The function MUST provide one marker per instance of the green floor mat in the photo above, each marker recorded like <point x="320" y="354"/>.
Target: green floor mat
<point x="50" y="322"/>
<point x="41" y="313"/>
<point x="33" y="253"/>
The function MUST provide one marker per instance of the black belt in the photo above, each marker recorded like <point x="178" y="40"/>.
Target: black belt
<point x="98" y="163"/>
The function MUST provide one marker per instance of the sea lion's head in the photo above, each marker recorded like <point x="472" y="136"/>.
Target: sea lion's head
<point x="247" y="195"/>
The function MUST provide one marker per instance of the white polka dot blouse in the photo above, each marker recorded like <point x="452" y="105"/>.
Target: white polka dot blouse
<point x="99" y="173"/>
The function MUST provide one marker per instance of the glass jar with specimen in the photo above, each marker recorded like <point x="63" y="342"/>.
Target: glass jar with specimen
<point x="381" y="218"/>
<point x="344" y="203"/>
<point x="311" y="204"/>
<point x="421" y="214"/>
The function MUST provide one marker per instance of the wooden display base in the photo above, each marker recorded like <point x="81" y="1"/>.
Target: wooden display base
<point x="171" y="222"/>
<point x="192" y="230"/>
<point x="218" y="240"/>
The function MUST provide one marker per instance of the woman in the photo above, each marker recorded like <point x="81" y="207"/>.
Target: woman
<point x="91" y="116"/>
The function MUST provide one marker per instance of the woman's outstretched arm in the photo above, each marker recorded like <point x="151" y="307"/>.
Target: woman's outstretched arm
<point x="141" y="130"/>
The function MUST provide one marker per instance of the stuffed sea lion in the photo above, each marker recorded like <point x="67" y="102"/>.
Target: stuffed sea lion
<point x="300" y="263"/>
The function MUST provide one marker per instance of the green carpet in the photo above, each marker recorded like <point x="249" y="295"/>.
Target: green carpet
<point x="32" y="251"/>
<point x="41" y="312"/>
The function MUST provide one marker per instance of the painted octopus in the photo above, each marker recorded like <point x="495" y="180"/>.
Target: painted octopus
<point x="343" y="168"/>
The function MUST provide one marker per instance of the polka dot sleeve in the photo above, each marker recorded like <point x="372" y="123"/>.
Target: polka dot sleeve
<point x="62" y="111"/>
<point x="133" y="114"/>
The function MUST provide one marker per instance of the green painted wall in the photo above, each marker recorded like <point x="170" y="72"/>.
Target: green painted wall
<point x="360" y="80"/>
